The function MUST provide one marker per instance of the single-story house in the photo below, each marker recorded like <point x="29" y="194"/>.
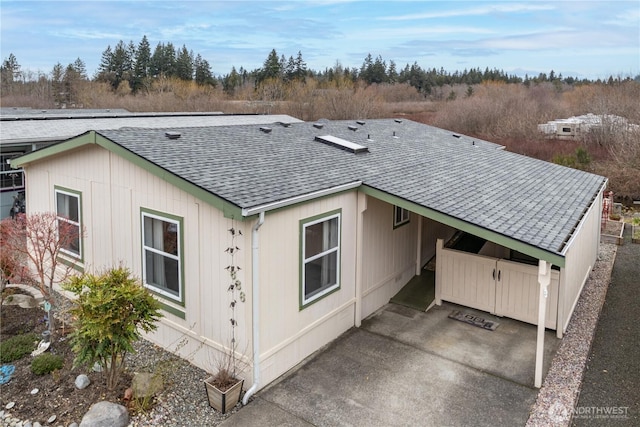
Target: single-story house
<point x="336" y="217"/>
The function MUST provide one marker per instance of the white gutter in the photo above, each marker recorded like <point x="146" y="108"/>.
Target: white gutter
<point x="255" y="303"/>
<point x="298" y="199"/>
<point x="255" y="299"/>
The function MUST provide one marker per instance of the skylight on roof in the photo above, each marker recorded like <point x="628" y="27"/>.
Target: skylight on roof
<point x="343" y="144"/>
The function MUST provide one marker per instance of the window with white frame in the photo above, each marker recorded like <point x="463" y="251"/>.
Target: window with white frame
<point x="320" y="267"/>
<point x="400" y="216"/>
<point x="68" y="213"/>
<point x="162" y="254"/>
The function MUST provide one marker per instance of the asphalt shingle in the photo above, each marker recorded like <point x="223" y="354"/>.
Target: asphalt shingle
<point x="530" y="200"/>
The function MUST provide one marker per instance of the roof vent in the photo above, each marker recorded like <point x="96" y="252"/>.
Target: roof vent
<point x="398" y="120"/>
<point x="318" y="125"/>
<point x="173" y="135"/>
<point x="285" y="125"/>
<point x="353" y="128"/>
<point x="342" y="144"/>
<point x="455" y="136"/>
<point x="265" y="129"/>
<point x="360" y="122"/>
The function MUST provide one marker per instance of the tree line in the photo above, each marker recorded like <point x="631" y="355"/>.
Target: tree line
<point x="128" y="68"/>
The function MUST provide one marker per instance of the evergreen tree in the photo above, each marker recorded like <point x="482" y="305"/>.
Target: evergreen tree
<point x="184" y="64"/>
<point x="57" y="84"/>
<point x="231" y="82"/>
<point x="71" y="83"/>
<point x="300" y="71"/>
<point x="203" y="72"/>
<point x="272" y="67"/>
<point x="142" y="64"/>
<point x="9" y="72"/>
<point x="392" y="75"/>
<point x="290" y="69"/>
<point x="80" y="68"/>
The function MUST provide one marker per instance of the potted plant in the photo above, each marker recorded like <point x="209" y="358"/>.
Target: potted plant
<point x="225" y="387"/>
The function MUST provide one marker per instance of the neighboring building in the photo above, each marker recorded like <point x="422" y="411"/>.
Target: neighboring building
<point x="578" y="127"/>
<point x="23" y="130"/>
<point x="336" y="217"/>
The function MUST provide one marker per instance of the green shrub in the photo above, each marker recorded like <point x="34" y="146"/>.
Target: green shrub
<point x="16" y="347"/>
<point x="46" y="363"/>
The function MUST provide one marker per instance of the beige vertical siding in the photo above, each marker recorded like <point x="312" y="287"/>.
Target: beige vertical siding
<point x="432" y="231"/>
<point x="580" y="259"/>
<point x="389" y="255"/>
<point x="113" y="192"/>
<point x="288" y="334"/>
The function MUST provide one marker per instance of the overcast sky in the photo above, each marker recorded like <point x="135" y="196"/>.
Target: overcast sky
<point x="592" y="39"/>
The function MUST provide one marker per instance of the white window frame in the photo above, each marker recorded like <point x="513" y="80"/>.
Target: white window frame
<point x="78" y="224"/>
<point x="155" y="288"/>
<point x="304" y="300"/>
<point x="403" y="214"/>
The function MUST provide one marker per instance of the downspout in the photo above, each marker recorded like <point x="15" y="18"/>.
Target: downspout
<point x="255" y="304"/>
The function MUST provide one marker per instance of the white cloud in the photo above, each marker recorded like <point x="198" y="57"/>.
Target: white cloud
<point x="474" y="11"/>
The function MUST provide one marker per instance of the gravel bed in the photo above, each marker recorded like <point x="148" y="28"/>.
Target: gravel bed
<point x="559" y="393"/>
<point x="183" y="401"/>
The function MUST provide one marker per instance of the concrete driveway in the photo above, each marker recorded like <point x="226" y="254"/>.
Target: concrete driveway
<point x="406" y="367"/>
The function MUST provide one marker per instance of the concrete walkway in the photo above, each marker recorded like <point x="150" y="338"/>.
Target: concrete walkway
<point x="610" y="393"/>
<point x="406" y="367"/>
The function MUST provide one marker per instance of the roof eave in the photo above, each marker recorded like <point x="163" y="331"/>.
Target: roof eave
<point x="500" y="239"/>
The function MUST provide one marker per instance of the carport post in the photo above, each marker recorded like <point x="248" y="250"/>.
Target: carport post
<point x="419" y="247"/>
<point x="544" y="278"/>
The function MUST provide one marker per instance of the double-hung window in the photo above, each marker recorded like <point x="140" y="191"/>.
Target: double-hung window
<point x="68" y="214"/>
<point x="320" y="269"/>
<point x="162" y="255"/>
<point x="400" y="216"/>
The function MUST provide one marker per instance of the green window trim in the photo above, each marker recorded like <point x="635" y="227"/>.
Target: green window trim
<point x="401" y="216"/>
<point x="172" y="310"/>
<point x="73" y="257"/>
<point x="329" y="256"/>
<point x="178" y="296"/>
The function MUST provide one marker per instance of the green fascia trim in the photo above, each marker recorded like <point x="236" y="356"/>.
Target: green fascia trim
<point x="465" y="226"/>
<point x="172" y="310"/>
<point x="229" y="209"/>
<point x="302" y="222"/>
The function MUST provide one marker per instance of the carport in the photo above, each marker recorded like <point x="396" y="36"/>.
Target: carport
<point x="407" y="367"/>
<point x="534" y="264"/>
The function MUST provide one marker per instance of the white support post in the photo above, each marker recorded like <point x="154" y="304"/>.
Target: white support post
<point x="544" y="279"/>
<point x="362" y="207"/>
<point x="439" y="246"/>
<point x="419" y="246"/>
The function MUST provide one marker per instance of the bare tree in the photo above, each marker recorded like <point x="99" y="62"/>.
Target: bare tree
<point x="39" y="240"/>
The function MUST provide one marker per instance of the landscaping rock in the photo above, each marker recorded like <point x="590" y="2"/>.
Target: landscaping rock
<point x="145" y="384"/>
<point x="82" y="381"/>
<point x="105" y="414"/>
<point x="24" y="301"/>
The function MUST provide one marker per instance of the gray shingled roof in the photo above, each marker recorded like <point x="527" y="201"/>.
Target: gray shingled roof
<point x="56" y="126"/>
<point x="536" y="202"/>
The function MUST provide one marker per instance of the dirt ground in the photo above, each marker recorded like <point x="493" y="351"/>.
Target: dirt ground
<point x="57" y="393"/>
